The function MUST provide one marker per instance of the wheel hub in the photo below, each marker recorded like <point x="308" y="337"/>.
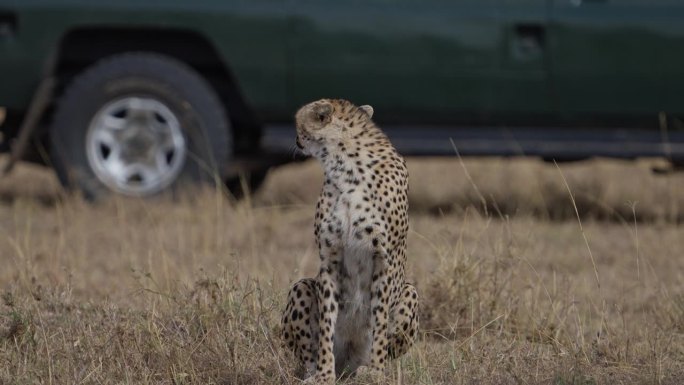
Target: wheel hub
<point x="135" y="146"/>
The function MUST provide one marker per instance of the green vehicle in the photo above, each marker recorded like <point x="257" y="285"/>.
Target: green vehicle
<point x="140" y="96"/>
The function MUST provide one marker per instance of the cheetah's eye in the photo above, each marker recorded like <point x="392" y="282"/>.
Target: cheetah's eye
<point x="321" y="118"/>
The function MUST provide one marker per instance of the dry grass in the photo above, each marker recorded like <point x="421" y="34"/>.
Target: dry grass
<point x="604" y="189"/>
<point x="190" y="291"/>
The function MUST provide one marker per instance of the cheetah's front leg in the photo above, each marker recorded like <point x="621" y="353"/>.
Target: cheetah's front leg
<point x="379" y="314"/>
<point x="403" y="329"/>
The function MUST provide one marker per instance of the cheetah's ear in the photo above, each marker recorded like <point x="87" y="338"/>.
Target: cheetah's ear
<point x="323" y="112"/>
<point x="368" y="110"/>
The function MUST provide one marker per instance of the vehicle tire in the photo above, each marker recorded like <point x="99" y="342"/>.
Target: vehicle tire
<point x="138" y="124"/>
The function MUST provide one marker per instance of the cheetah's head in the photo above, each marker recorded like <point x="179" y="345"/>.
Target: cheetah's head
<point x="328" y="121"/>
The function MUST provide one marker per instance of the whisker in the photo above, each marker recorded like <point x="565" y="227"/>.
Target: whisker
<point x="296" y="151"/>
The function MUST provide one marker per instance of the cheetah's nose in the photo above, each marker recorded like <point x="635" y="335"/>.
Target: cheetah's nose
<point x="299" y="144"/>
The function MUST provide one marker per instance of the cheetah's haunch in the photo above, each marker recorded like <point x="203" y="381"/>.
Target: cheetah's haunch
<point x="359" y="310"/>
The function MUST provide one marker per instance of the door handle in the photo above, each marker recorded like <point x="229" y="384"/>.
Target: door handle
<point x="528" y="42"/>
<point x="8" y="24"/>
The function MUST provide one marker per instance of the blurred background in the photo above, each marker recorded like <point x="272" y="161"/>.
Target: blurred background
<point x="137" y="98"/>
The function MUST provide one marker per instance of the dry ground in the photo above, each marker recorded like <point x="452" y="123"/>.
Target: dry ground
<point x="514" y="289"/>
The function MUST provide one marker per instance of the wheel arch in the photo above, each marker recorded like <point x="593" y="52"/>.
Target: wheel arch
<point x="81" y="47"/>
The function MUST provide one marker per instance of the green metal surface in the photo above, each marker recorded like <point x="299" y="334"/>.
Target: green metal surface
<point x="427" y="60"/>
<point x="617" y="57"/>
<point x="505" y="62"/>
<point x="250" y="36"/>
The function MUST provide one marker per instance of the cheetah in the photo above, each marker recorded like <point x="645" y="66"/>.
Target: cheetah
<point x="359" y="311"/>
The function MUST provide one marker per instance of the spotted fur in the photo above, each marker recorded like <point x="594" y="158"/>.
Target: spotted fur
<point x="359" y="311"/>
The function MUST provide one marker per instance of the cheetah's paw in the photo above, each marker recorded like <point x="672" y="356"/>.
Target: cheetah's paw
<point x="320" y="379"/>
<point x="370" y="374"/>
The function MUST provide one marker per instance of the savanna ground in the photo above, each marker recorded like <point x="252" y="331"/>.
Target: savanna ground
<point x="514" y="289"/>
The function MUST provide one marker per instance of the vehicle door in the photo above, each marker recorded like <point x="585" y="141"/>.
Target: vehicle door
<point x="617" y="58"/>
<point x="426" y="61"/>
<point x="251" y="35"/>
<point x="520" y="81"/>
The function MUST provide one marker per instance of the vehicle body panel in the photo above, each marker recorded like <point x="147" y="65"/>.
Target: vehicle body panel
<point x="434" y="62"/>
<point x="617" y="58"/>
<point x="430" y="60"/>
<point x="258" y="62"/>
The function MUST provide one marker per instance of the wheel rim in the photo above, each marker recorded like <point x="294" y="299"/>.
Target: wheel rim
<point x="135" y="146"/>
